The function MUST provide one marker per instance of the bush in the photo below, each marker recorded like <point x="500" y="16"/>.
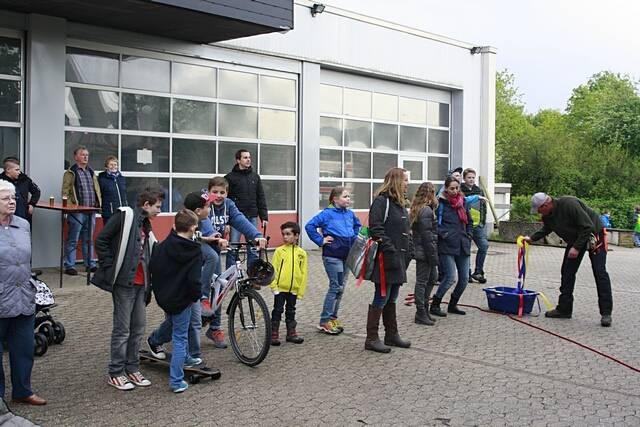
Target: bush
<point x="520" y="210"/>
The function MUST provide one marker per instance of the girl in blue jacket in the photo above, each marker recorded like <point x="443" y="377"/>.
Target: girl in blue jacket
<point x="339" y="226"/>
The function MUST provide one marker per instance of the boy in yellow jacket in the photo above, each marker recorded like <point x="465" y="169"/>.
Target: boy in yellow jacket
<point x="289" y="283"/>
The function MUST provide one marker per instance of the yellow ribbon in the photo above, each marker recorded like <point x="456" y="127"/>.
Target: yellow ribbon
<point x="546" y="301"/>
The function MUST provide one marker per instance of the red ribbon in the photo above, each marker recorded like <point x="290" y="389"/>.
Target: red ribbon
<point x="383" y="279"/>
<point x="520" y="304"/>
<point x="363" y="269"/>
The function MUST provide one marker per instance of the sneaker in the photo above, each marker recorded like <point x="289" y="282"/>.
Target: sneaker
<point x="138" y="379"/>
<point x="217" y="336"/>
<point x="71" y="271"/>
<point x="207" y="310"/>
<point x="121" y="383"/>
<point x="337" y="324"/>
<point x="190" y="362"/>
<point x="478" y="277"/>
<point x="156" y="351"/>
<point x="182" y="387"/>
<point x="328" y="328"/>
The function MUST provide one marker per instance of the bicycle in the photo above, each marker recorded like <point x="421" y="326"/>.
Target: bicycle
<point x="249" y="319"/>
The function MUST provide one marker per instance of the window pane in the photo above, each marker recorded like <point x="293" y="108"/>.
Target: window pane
<point x="145" y="73"/>
<point x="331" y="163"/>
<point x="357" y="102"/>
<point x="281" y="195"/>
<point x="227" y="155"/>
<point x="145" y="154"/>
<point x="238" y="121"/>
<point x="411" y="190"/>
<point x="385" y="137"/>
<point x="91" y="108"/>
<point x="330" y="132"/>
<point x="238" y="86"/>
<point x="99" y="145"/>
<point x="325" y="191"/>
<point x="437" y="168"/>
<point x="413" y="111"/>
<point x="330" y="99"/>
<point x="145" y="112"/>
<point x="382" y="163"/>
<point x="277" y="125"/>
<point x="357" y="134"/>
<point x="88" y="66"/>
<point x="193" y="156"/>
<point x="360" y="194"/>
<point x="357" y="165"/>
<point x="9" y="142"/>
<point x="277" y="160"/>
<point x="195" y="117"/>
<point x="438" y="141"/>
<point x="438" y="114"/>
<point x="193" y="80"/>
<point x="413" y="139"/>
<point x="9" y="101"/>
<point x="385" y="107"/>
<point x="183" y="186"/>
<point x="414" y="167"/>
<point x="135" y="185"/>
<point x="277" y="91"/>
<point x="10" y="56"/>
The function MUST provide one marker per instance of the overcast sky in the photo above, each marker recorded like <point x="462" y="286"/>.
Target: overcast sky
<point x="550" y="46"/>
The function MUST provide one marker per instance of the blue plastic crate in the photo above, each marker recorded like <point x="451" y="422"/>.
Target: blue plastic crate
<point x="506" y="299"/>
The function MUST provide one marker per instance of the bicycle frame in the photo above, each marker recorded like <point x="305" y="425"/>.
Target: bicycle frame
<point x="233" y="276"/>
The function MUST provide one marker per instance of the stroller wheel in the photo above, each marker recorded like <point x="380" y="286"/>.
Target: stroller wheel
<point x="46" y="329"/>
<point x="58" y="332"/>
<point x="41" y="345"/>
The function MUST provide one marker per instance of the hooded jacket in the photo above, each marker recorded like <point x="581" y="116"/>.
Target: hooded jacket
<point x="290" y="264"/>
<point x="341" y="224"/>
<point x="245" y="189"/>
<point x="425" y="236"/>
<point x="24" y="186"/>
<point x="454" y="236"/>
<point x="228" y="214"/>
<point x="114" y="192"/>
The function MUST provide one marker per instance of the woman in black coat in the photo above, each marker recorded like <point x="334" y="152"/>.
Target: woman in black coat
<point x="389" y="224"/>
<point x="112" y="187"/>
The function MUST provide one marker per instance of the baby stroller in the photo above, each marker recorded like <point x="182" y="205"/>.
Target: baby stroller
<point x="47" y="330"/>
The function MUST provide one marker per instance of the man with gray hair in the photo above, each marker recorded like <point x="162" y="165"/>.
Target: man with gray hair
<point x="579" y="226"/>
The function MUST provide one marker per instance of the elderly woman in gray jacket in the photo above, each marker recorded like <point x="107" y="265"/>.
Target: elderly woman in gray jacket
<point x="17" y="298"/>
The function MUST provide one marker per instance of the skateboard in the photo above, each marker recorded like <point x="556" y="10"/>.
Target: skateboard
<point x="193" y="374"/>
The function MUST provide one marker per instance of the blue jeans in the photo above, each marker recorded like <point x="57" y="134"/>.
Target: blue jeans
<point x="79" y="229"/>
<point x="480" y="239"/>
<point x="380" y="301"/>
<point x="17" y="333"/>
<point x="210" y="265"/>
<point x="163" y="333"/>
<point x="451" y="263"/>
<point x="179" y="336"/>
<point x="235" y="237"/>
<point x="337" y="272"/>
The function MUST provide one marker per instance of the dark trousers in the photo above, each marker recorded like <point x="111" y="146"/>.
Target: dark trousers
<point x="568" y="281"/>
<point x="279" y="306"/>
<point x="17" y="332"/>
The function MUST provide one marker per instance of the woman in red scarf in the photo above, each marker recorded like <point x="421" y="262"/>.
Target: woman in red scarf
<point x="454" y="245"/>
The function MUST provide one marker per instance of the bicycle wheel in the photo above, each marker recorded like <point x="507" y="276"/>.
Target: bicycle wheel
<point x="249" y="327"/>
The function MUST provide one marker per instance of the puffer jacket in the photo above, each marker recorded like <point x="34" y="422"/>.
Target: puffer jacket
<point x="17" y="293"/>
<point x="114" y="193"/>
<point x="341" y="224"/>
<point x="425" y="236"/>
<point x="245" y="189"/>
<point x="454" y="237"/>
<point x="290" y="264"/>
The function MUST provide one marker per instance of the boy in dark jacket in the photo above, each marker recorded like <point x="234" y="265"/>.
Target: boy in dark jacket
<point x="175" y="271"/>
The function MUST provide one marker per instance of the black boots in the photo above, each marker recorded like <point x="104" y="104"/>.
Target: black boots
<point x="391" y="336"/>
<point x="435" y="307"/>
<point x="292" y="335"/>
<point x="275" y="333"/>
<point x="453" y="306"/>
<point x="422" y="317"/>
<point x="372" y="342"/>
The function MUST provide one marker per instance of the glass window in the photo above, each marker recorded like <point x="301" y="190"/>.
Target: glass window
<point x="193" y="80"/>
<point x="193" y="156"/>
<point x="238" y="86"/>
<point x="414" y="167"/>
<point x="325" y="191"/>
<point x="281" y="195"/>
<point x="145" y="112"/>
<point x="277" y="125"/>
<point x="10" y="56"/>
<point x="411" y="190"/>
<point x="357" y="134"/>
<point x="238" y="121"/>
<point x="385" y="137"/>
<point x="136" y="184"/>
<point x="99" y="145"/>
<point x="277" y="159"/>
<point x="360" y="194"/>
<point x="413" y="111"/>
<point x="9" y="142"/>
<point x="413" y="139"/>
<point x="88" y="66"/>
<point x="227" y="155"/>
<point x="145" y="73"/>
<point x="438" y="141"/>
<point x="183" y="186"/>
<point x="9" y="101"/>
<point x="145" y="154"/>
<point x="357" y="164"/>
<point x="278" y="91"/>
<point x="330" y="163"/>
<point x="330" y="132"/>
<point x="357" y="102"/>
<point x="385" y="107"/>
<point x="382" y="163"/>
<point x="330" y="99"/>
<point x="438" y="114"/>
<point x="195" y="117"/>
<point x="91" y="108"/>
<point x="437" y="168"/>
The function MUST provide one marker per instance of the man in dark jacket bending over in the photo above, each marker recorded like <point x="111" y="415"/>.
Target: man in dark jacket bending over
<point x="581" y="228"/>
